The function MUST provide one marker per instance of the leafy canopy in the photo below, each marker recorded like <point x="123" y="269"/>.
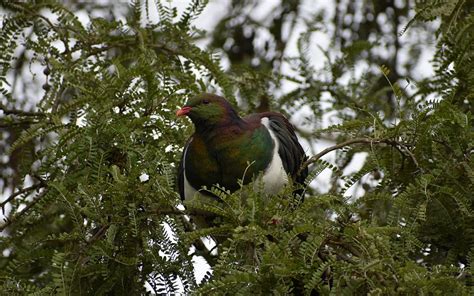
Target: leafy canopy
<point x="91" y="144"/>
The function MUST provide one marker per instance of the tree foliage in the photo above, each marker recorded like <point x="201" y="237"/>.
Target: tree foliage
<point x="91" y="145"/>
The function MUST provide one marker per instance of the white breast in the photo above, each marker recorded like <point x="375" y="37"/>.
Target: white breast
<point x="274" y="176"/>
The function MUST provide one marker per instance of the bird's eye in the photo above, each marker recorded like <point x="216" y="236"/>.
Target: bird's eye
<point x="205" y="102"/>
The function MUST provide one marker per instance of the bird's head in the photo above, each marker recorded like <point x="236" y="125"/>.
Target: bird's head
<point x="208" y="110"/>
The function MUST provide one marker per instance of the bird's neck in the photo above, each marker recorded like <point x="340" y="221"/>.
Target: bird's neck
<point x="209" y="131"/>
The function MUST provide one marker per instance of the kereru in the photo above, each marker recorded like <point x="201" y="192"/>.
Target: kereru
<point x="226" y="147"/>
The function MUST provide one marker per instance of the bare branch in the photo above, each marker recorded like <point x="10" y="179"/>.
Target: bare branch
<point x="316" y="157"/>
<point x="14" y="218"/>
<point x="19" y="192"/>
<point x="400" y="147"/>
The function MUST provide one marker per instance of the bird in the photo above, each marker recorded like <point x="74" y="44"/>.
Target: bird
<point x="226" y="147"/>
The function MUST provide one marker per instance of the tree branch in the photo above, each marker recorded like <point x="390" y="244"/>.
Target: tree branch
<point x="9" y="221"/>
<point x="174" y="211"/>
<point x="400" y="147"/>
<point x="19" y="112"/>
<point x="316" y="157"/>
<point x="19" y="192"/>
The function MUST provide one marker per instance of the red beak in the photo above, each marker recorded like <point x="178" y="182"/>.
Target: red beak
<point x="183" y="111"/>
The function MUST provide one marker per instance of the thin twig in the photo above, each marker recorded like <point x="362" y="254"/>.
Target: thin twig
<point x="201" y="249"/>
<point x="174" y="211"/>
<point x="18" y="123"/>
<point x="9" y="221"/>
<point x="19" y="112"/>
<point x="316" y="157"/>
<point x="404" y="149"/>
<point x="98" y="234"/>
<point x="19" y="192"/>
<point x="400" y="147"/>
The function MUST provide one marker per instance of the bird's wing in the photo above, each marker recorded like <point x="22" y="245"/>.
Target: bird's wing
<point x="181" y="171"/>
<point x="291" y="153"/>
